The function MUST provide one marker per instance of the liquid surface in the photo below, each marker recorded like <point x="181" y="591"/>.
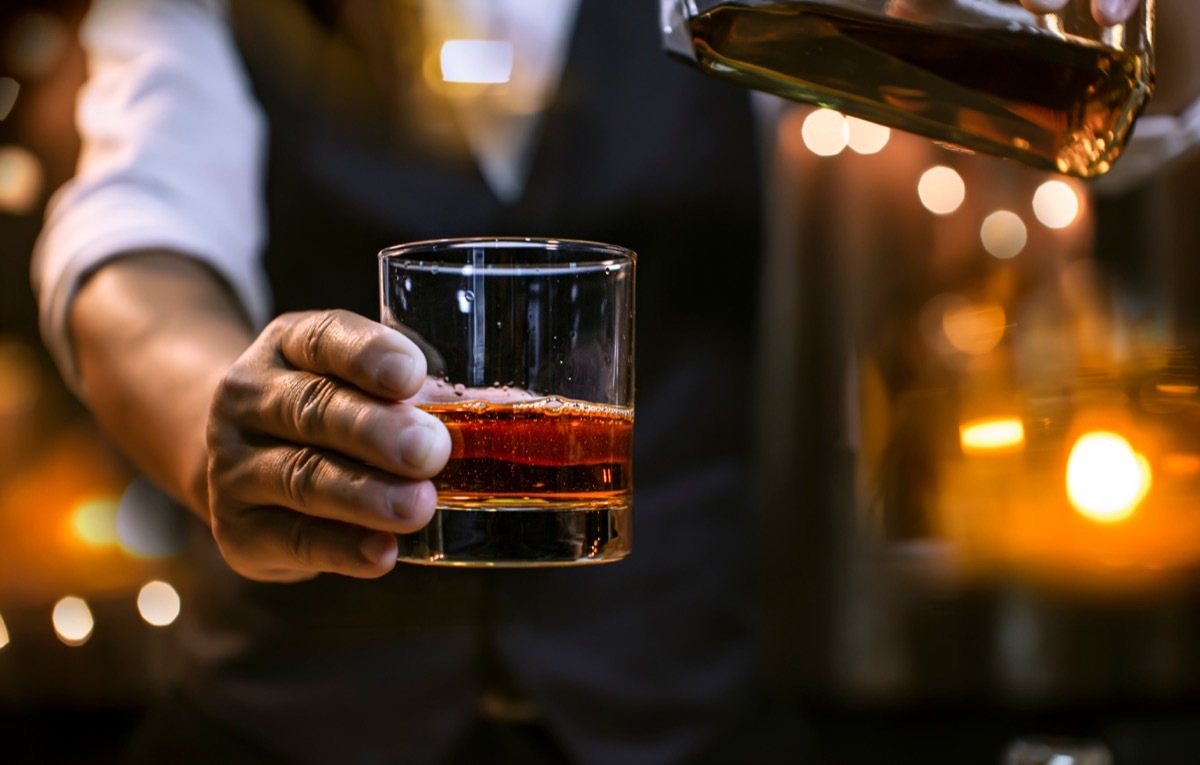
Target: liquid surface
<point x="549" y="450"/>
<point x="1050" y="103"/>
<point x="542" y="482"/>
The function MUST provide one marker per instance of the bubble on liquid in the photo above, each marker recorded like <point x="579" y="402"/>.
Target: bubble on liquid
<point x="495" y="383"/>
<point x="433" y="269"/>
<point x="607" y="270"/>
<point x="459" y="389"/>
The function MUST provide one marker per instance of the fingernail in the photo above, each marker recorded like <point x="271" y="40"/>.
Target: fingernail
<point x="400" y="499"/>
<point x="379" y="549"/>
<point x="1112" y="12"/>
<point x="395" y="371"/>
<point x="416" y="441"/>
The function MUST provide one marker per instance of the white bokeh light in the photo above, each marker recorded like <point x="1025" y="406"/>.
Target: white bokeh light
<point x="158" y="603"/>
<point x="941" y="190"/>
<point x="867" y="137"/>
<point x="826" y="132"/>
<point x="1055" y="204"/>
<point x="1003" y="234"/>
<point x="72" y="620"/>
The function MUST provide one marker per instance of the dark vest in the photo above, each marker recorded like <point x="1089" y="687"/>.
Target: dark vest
<point x="645" y="660"/>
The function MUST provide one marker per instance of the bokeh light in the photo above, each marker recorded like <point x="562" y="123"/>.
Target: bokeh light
<point x="149" y="524"/>
<point x="73" y="621"/>
<point x="867" y="137"/>
<point x="33" y="43"/>
<point x="992" y="435"/>
<point x="3" y="633"/>
<point x="1003" y="234"/>
<point x="826" y="132"/>
<point x="973" y="328"/>
<point x="1106" y="478"/>
<point x="158" y="603"/>
<point x="941" y="190"/>
<point x="1055" y="204"/>
<point x="20" y="378"/>
<point x="96" y="521"/>
<point x="20" y="180"/>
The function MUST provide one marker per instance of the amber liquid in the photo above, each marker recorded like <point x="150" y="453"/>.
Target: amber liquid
<point x="1048" y="102"/>
<point x="539" y="482"/>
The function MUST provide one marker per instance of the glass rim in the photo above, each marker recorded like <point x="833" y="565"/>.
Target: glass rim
<point x="587" y="254"/>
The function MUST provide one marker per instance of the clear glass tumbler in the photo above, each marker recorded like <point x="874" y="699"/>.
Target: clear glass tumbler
<point x="529" y="344"/>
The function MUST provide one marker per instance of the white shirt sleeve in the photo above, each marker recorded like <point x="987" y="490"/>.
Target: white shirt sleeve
<point x="171" y="158"/>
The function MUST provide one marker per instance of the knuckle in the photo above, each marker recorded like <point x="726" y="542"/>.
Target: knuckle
<point x="235" y="387"/>
<point x="299" y="541"/>
<point x="318" y="328"/>
<point x="313" y="399"/>
<point x="300" y="475"/>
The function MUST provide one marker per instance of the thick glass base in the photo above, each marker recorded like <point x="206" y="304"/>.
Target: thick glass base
<point x="521" y="536"/>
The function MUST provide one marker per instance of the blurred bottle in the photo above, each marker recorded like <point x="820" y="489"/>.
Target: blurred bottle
<point x="1055" y="91"/>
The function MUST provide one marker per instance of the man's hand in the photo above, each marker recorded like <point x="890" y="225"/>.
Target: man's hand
<point x="314" y="461"/>
<point x="1107" y="12"/>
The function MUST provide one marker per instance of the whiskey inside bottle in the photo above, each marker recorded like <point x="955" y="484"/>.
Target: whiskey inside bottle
<point x="1053" y="103"/>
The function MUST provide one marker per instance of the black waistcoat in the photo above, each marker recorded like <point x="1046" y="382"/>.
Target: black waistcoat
<point x="639" y="661"/>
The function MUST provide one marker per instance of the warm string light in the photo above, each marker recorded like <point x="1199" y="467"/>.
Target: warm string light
<point x="999" y="434"/>
<point x="827" y="133"/>
<point x="941" y="190"/>
<point x="158" y="603"/>
<point x="1003" y="234"/>
<point x="1055" y="204"/>
<point x="1106" y="478"/>
<point x="72" y="619"/>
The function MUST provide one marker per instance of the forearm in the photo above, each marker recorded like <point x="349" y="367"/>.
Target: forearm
<point x="153" y="334"/>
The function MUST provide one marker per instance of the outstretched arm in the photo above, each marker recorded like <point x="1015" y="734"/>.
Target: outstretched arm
<point x="295" y="444"/>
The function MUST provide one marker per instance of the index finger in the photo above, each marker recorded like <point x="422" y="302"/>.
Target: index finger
<point x="354" y="349"/>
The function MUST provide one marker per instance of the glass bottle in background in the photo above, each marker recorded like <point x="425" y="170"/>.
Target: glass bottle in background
<point x="1055" y="91"/>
